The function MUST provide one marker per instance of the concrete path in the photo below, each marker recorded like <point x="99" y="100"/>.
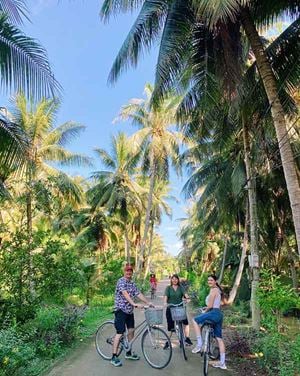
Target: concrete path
<point x="85" y="361"/>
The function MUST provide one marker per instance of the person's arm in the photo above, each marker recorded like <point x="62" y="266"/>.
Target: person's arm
<point x="165" y="300"/>
<point x="128" y="298"/>
<point x="143" y="299"/>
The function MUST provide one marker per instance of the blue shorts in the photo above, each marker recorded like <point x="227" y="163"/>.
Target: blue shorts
<point x="216" y="316"/>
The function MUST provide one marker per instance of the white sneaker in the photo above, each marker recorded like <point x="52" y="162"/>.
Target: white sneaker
<point x="219" y="365"/>
<point x="197" y="349"/>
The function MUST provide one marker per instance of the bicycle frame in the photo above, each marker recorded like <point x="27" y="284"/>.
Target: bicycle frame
<point x="127" y="345"/>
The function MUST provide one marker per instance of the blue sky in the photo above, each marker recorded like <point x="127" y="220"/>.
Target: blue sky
<point x="81" y="50"/>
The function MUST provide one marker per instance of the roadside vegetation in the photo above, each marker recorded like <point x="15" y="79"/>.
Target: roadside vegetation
<point x="224" y="108"/>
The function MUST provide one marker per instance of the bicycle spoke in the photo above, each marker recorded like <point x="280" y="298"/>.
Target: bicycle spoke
<point x="154" y="347"/>
<point x="104" y="340"/>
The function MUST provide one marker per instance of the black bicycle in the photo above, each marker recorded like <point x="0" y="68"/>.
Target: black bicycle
<point x="153" y="339"/>
<point x="178" y="313"/>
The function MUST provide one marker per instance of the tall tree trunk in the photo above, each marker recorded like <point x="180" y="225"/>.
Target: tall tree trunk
<point x="239" y="274"/>
<point x="253" y="229"/>
<point x="223" y="261"/>
<point x="127" y="245"/>
<point x="286" y="154"/>
<point x="148" y="212"/>
<point x="149" y="251"/>
<point x="293" y="269"/>
<point x="29" y="213"/>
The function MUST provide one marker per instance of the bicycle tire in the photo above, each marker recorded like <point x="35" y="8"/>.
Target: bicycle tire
<point x="206" y="342"/>
<point x="153" y="344"/>
<point x="181" y="339"/>
<point x="205" y="364"/>
<point x="104" y="340"/>
<point x="214" y="351"/>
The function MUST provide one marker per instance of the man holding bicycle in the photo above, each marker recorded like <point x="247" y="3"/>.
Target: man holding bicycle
<point x="126" y="291"/>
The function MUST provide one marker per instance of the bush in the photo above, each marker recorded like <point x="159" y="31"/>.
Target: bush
<point x="280" y="355"/>
<point x="16" y="354"/>
<point x="53" y="328"/>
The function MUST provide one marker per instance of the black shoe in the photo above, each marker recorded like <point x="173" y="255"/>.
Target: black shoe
<point x="166" y="346"/>
<point x="188" y="341"/>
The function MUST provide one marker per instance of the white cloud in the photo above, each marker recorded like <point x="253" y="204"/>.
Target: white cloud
<point x="40" y="5"/>
<point x="174" y="248"/>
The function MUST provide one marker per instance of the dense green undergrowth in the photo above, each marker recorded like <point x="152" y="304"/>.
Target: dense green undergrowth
<point x="276" y="348"/>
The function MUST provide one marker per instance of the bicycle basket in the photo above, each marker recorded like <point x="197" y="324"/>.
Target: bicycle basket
<point x="154" y="316"/>
<point x="178" y="313"/>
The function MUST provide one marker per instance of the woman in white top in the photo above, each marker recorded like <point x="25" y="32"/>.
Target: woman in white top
<point x="212" y="313"/>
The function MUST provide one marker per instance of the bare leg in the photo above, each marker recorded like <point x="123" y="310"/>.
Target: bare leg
<point x="116" y="343"/>
<point x="130" y="334"/>
<point x="222" y="350"/>
<point x="196" y="328"/>
<point x="186" y="330"/>
<point x="221" y="345"/>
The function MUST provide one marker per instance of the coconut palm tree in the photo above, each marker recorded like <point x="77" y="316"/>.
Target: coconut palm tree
<point x="46" y="148"/>
<point x="191" y="33"/>
<point x="115" y="188"/>
<point x="159" y="141"/>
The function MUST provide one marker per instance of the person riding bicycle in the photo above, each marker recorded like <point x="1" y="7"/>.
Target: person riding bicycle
<point x="126" y="291"/>
<point x="212" y="313"/>
<point x="153" y="281"/>
<point x="175" y="294"/>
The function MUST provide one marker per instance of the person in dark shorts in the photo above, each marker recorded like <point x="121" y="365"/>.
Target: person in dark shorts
<point x="126" y="291"/>
<point x="174" y="294"/>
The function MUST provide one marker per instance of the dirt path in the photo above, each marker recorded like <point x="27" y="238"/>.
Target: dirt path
<point x="86" y="362"/>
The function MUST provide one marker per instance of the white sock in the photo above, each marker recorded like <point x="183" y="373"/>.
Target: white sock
<point x="222" y="358"/>
<point x="199" y="341"/>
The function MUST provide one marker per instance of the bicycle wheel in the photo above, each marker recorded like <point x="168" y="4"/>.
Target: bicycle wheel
<point x="214" y="351"/>
<point x="205" y="364"/>
<point x="181" y="339"/>
<point x="105" y="338"/>
<point x="156" y="347"/>
<point x="206" y="339"/>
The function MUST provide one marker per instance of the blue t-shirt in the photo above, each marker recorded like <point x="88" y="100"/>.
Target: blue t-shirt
<point x="124" y="284"/>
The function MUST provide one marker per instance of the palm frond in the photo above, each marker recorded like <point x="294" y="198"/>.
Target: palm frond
<point x="141" y="36"/>
<point x="24" y="63"/>
<point x="15" y="10"/>
<point x="112" y="7"/>
<point x="64" y="133"/>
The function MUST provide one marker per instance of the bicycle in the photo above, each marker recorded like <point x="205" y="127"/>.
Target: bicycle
<point x="210" y="348"/>
<point x="152" y="342"/>
<point x="153" y="291"/>
<point x="178" y="313"/>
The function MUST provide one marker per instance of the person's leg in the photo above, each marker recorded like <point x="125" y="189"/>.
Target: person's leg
<point x="171" y="326"/>
<point x="218" y="335"/>
<point x="186" y="327"/>
<point x="130" y="327"/>
<point x="120" y="329"/>
<point x="197" y="329"/>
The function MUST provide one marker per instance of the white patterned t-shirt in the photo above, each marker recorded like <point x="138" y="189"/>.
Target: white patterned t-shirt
<point x="124" y="284"/>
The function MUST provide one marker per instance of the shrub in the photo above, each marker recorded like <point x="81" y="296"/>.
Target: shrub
<point x="15" y="353"/>
<point x="281" y="356"/>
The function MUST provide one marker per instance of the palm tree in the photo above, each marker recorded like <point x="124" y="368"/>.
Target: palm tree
<point x="159" y="142"/>
<point x="116" y="189"/>
<point x="196" y="33"/>
<point x="46" y="146"/>
<point x="24" y="63"/>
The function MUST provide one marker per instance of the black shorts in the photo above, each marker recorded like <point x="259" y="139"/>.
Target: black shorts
<point x="123" y="320"/>
<point x="170" y="322"/>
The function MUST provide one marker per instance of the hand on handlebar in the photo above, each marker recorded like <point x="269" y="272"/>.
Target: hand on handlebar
<point x="139" y="306"/>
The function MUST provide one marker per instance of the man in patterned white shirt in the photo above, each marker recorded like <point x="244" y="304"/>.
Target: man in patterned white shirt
<point x="126" y="291"/>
